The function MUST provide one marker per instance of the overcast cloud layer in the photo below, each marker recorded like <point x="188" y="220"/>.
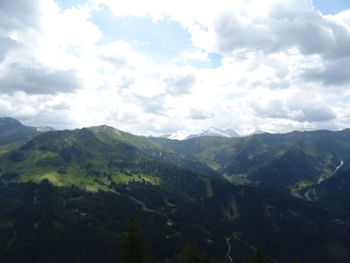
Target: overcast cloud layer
<point x="156" y="67"/>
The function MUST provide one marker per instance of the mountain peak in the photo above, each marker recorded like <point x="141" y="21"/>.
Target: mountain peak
<point x="12" y="129"/>
<point x="45" y="129"/>
<point x="212" y="131"/>
<point x="258" y="132"/>
<point x="174" y="136"/>
<point x="105" y="128"/>
<point x="9" y="121"/>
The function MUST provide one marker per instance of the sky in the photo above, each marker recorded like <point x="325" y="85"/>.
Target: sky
<point x="176" y="67"/>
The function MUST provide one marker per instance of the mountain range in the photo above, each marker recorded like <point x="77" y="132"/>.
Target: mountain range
<point x="282" y="162"/>
<point x="65" y="195"/>
<point x="214" y="132"/>
<point x="12" y="130"/>
<point x="228" y="133"/>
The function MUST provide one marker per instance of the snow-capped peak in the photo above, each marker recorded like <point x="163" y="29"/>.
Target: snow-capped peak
<point x="228" y="133"/>
<point x="44" y="129"/>
<point x="258" y="132"/>
<point x="174" y="136"/>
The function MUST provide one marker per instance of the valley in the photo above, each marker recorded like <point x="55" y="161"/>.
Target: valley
<point x="228" y="196"/>
<point x="282" y="162"/>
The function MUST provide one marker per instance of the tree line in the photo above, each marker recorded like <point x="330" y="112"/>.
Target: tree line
<point x="134" y="249"/>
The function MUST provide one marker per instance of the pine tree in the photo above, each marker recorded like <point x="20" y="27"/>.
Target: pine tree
<point x="259" y="257"/>
<point x="134" y="248"/>
<point x="190" y="255"/>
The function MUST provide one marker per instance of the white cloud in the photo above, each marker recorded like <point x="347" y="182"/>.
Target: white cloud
<point x="37" y="80"/>
<point x="200" y="114"/>
<point x="19" y="14"/>
<point x="189" y="56"/>
<point x="330" y="73"/>
<point x="283" y="67"/>
<point x="296" y="107"/>
<point x="179" y="84"/>
<point x="285" y="26"/>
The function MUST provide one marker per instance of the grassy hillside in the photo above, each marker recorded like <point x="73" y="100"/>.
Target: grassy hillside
<point x="332" y="192"/>
<point x="270" y="160"/>
<point x="74" y="190"/>
<point x="94" y="159"/>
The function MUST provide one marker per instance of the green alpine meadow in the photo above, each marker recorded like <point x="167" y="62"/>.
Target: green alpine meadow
<point x="66" y="196"/>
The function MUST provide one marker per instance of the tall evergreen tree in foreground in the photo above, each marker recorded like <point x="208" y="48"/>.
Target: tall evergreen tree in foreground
<point x="190" y="255"/>
<point x="259" y="257"/>
<point x="133" y="245"/>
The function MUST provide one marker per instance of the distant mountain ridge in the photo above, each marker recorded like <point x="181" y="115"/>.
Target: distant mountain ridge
<point x="173" y="193"/>
<point x="291" y="163"/>
<point x="12" y="130"/>
<point x="227" y="133"/>
<point x="89" y="180"/>
<point x="44" y="129"/>
<point x="257" y="132"/>
<point x="212" y="132"/>
<point x="286" y="163"/>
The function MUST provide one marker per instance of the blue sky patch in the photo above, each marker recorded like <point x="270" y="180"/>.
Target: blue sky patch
<point x="160" y="41"/>
<point x="214" y="61"/>
<point x="70" y="3"/>
<point x="329" y="7"/>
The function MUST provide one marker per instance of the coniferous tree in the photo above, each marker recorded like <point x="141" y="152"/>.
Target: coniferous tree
<point x="259" y="257"/>
<point x="134" y="247"/>
<point x="190" y="255"/>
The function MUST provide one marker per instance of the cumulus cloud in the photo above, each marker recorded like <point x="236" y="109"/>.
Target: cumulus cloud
<point x="296" y="109"/>
<point x="153" y="105"/>
<point x="233" y="35"/>
<point x="309" y="110"/>
<point x="38" y="110"/>
<point x="16" y="17"/>
<point x="125" y="82"/>
<point x="269" y="51"/>
<point x="330" y="73"/>
<point x="61" y="106"/>
<point x="120" y="54"/>
<point x="179" y="84"/>
<point x="200" y="114"/>
<point x="315" y="114"/>
<point x="53" y="119"/>
<point x="271" y="109"/>
<point x="281" y="29"/>
<point x="6" y="44"/>
<point x="145" y="87"/>
<point x="37" y="80"/>
<point x="19" y="14"/>
<point x="117" y="60"/>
